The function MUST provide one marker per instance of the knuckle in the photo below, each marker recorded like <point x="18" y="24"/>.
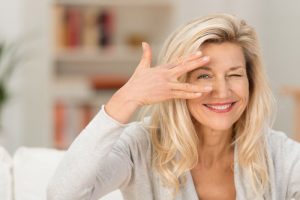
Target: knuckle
<point x="186" y="86"/>
<point x="175" y="93"/>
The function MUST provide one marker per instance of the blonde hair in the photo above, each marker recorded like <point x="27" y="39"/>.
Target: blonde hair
<point x="173" y="134"/>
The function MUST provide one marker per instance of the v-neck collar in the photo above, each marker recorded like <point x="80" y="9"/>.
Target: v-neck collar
<point x="190" y="186"/>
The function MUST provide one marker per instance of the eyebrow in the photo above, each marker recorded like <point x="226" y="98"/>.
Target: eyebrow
<point x="210" y="69"/>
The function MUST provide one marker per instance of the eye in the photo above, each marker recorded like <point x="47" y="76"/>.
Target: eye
<point x="235" y="75"/>
<point x="204" y="76"/>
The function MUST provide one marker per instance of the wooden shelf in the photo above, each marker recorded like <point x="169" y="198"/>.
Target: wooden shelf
<point x="115" y="54"/>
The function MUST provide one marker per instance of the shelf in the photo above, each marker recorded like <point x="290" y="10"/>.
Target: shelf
<point x="82" y="88"/>
<point x="116" y="3"/>
<point x="114" y="54"/>
<point x="97" y="48"/>
<point x="111" y="55"/>
<point x="93" y="100"/>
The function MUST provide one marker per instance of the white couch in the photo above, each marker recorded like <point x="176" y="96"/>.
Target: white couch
<point x="25" y="175"/>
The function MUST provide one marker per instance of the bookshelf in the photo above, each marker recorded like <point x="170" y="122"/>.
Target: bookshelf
<point x="97" y="47"/>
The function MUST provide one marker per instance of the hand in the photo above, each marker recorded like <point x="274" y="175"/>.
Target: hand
<point x="152" y="85"/>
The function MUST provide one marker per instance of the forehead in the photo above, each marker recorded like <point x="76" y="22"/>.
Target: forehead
<point x="224" y="56"/>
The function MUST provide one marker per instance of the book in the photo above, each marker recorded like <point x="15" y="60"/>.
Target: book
<point x="73" y="27"/>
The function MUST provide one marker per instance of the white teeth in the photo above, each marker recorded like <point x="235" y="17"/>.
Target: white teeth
<point x="223" y="107"/>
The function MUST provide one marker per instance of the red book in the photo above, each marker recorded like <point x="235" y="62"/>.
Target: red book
<point x="73" y="25"/>
<point x="59" y="125"/>
<point x="86" y="115"/>
<point x="108" y="81"/>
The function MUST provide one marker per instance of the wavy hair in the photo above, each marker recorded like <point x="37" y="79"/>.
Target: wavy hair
<point x="171" y="128"/>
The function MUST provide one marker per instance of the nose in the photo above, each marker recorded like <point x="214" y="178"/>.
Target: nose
<point x="221" y="88"/>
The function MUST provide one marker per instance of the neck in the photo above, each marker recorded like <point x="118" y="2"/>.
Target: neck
<point x="215" y="146"/>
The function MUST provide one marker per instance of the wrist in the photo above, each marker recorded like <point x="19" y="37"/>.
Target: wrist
<point x="121" y="107"/>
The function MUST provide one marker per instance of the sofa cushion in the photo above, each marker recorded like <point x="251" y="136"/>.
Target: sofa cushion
<point x="33" y="167"/>
<point x="5" y="175"/>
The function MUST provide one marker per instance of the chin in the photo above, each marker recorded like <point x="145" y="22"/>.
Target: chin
<point x="221" y="128"/>
<point x="218" y="125"/>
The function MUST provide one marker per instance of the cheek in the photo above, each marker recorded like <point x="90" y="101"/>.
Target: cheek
<point x="241" y="89"/>
<point x="192" y="103"/>
<point x="189" y="103"/>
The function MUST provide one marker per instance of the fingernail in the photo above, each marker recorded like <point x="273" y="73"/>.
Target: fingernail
<point x="208" y="88"/>
<point x="205" y="58"/>
<point x="143" y="45"/>
<point x="198" y="53"/>
<point x="198" y="93"/>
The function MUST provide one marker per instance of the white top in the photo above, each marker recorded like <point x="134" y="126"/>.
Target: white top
<point x="108" y="155"/>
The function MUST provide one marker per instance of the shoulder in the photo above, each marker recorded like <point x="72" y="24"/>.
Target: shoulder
<point x="284" y="150"/>
<point x="286" y="161"/>
<point x="280" y="142"/>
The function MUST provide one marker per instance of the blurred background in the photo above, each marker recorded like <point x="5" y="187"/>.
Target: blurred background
<point x="60" y="60"/>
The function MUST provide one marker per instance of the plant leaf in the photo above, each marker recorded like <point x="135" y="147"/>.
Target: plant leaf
<point x="1" y="50"/>
<point x="3" y="94"/>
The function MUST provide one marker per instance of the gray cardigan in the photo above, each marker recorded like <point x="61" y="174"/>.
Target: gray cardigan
<point x="108" y="155"/>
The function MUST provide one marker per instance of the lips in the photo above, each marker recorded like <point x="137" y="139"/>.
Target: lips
<point x="220" y="107"/>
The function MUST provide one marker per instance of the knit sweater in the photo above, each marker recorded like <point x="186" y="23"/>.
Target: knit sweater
<point x="108" y="155"/>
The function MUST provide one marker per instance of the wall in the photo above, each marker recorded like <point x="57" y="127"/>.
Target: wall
<point x="282" y="55"/>
<point x="275" y="22"/>
<point x="27" y="115"/>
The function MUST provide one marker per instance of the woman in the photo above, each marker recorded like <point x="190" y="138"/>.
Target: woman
<point x="207" y="136"/>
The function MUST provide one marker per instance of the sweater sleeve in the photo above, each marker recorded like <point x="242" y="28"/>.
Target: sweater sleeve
<point x="294" y="176"/>
<point x="97" y="162"/>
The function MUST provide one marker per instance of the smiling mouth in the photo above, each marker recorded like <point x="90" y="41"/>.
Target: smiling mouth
<point x="220" y="107"/>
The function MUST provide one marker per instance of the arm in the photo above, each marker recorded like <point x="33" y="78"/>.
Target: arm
<point x="94" y="157"/>
<point x="91" y="166"/>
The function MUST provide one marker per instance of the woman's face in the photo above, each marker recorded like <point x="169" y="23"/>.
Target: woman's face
<point x="226" y="72"/>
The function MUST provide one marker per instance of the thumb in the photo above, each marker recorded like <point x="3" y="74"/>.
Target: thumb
<point x="147" y="56"/>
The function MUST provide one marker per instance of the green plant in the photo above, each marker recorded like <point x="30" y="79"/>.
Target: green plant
<point x="9" y="59"/>
<point x="3" y="93"/>
<point x="2" y="89"/>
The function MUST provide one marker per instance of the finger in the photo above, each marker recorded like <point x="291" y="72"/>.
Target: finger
<point x="189" y="66"/>
<point x="146" y="57"/>
<point x="188" y="87"/>
<point x="190" y="57"/>
<point x="185" y="95"/>
<point x="193" y="56"/>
